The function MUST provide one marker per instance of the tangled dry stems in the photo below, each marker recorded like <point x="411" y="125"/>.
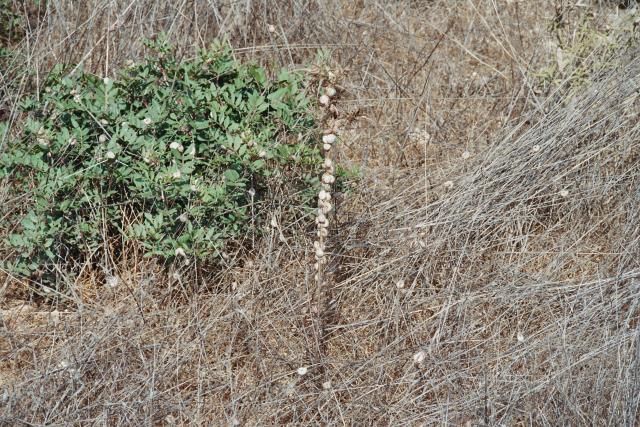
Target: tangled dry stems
<point x="498" y="288"/>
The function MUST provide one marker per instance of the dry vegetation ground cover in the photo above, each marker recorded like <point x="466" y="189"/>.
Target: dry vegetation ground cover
<point x="484" y="271"/>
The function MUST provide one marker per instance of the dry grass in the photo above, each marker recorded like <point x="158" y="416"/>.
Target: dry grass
<point x="510" y="275"/>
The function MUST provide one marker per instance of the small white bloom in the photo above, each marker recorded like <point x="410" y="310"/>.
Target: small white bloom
<point x="328" y="178"/>
<point x="326" y="385"/>
<point x="448" y="185"/>
<point x="104" y="122"/>
<point x="329" y="138"/>
<point x="43" y="142"/>
<point x="319" y="252"/>
<point x="147" y="121"/>
<point x="272" y="28"/>
<point x="180" y="148"/>
<point x="77" y="98"/>
<point x="72" y="141"/>
<point x="180" y="252"/>
<point x="564" y="193"/>
<point x="262" y="153"/>
<point x="520" y="337"/>
<point x="323" y="232"/>
<point x="326" y="147"/>
<point x="302" y="370"/>
<point x="274" y="222"/>
<point x="174" y="145"/>
<point x="177" y="174"/>
<point x="324" y="100"/>
<point x="321" y="218"/>
<point x="330" y="91"/>
<point x="47" y="89"/>
<point x="106" y="80"/>
<point x="419" y="356"/>
<point x="252" y="192"/>
<point x="535" y="148"/>
<point x="328" y="163"/>
<point x="400" y="284"/>
<point x="323" y="195"/>
<point x="110" y="155"/>
<point x="466" y="155"/>
<point x="183" y="217"/>
<point x="193" y="187"/>
<point x="55" y="317"/>
<point x="102" y="138"/>
<point x="112" y="281"/>
<point x="73" y="92"/>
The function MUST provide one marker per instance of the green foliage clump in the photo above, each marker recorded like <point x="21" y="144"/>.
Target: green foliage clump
<point x="180" y="157"/>
<point x="585" y="49"/>
<point x="10" y="23"/>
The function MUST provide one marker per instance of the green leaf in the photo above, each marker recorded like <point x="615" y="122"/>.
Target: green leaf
<point x="231" y="175"/>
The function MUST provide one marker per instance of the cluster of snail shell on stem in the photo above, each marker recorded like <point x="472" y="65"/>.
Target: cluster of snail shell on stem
<point x="328" y="178"/>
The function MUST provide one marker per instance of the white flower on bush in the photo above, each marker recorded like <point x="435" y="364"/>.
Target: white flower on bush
<point x="327" y="178"/>
<point x="147" y="121"/>
<point x="180" y="252"/>
<point x="177" y="174"/>
<point x="106" y="80"/>
<point x="302" y="370"/>
<point x="330" y="91"/>
<point x="102" y="138"/>
<point x="324" y="100"/>
<point x="110" y="155"/>
<point x="112" y="281"/>
<point x="329" y="138"/>
<point x="324" y="195"/>
<point x="419" y="357"/>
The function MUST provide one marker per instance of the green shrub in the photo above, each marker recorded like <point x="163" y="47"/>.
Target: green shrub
<point x="181" y="157"/>
<point x="585" y="49"/>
